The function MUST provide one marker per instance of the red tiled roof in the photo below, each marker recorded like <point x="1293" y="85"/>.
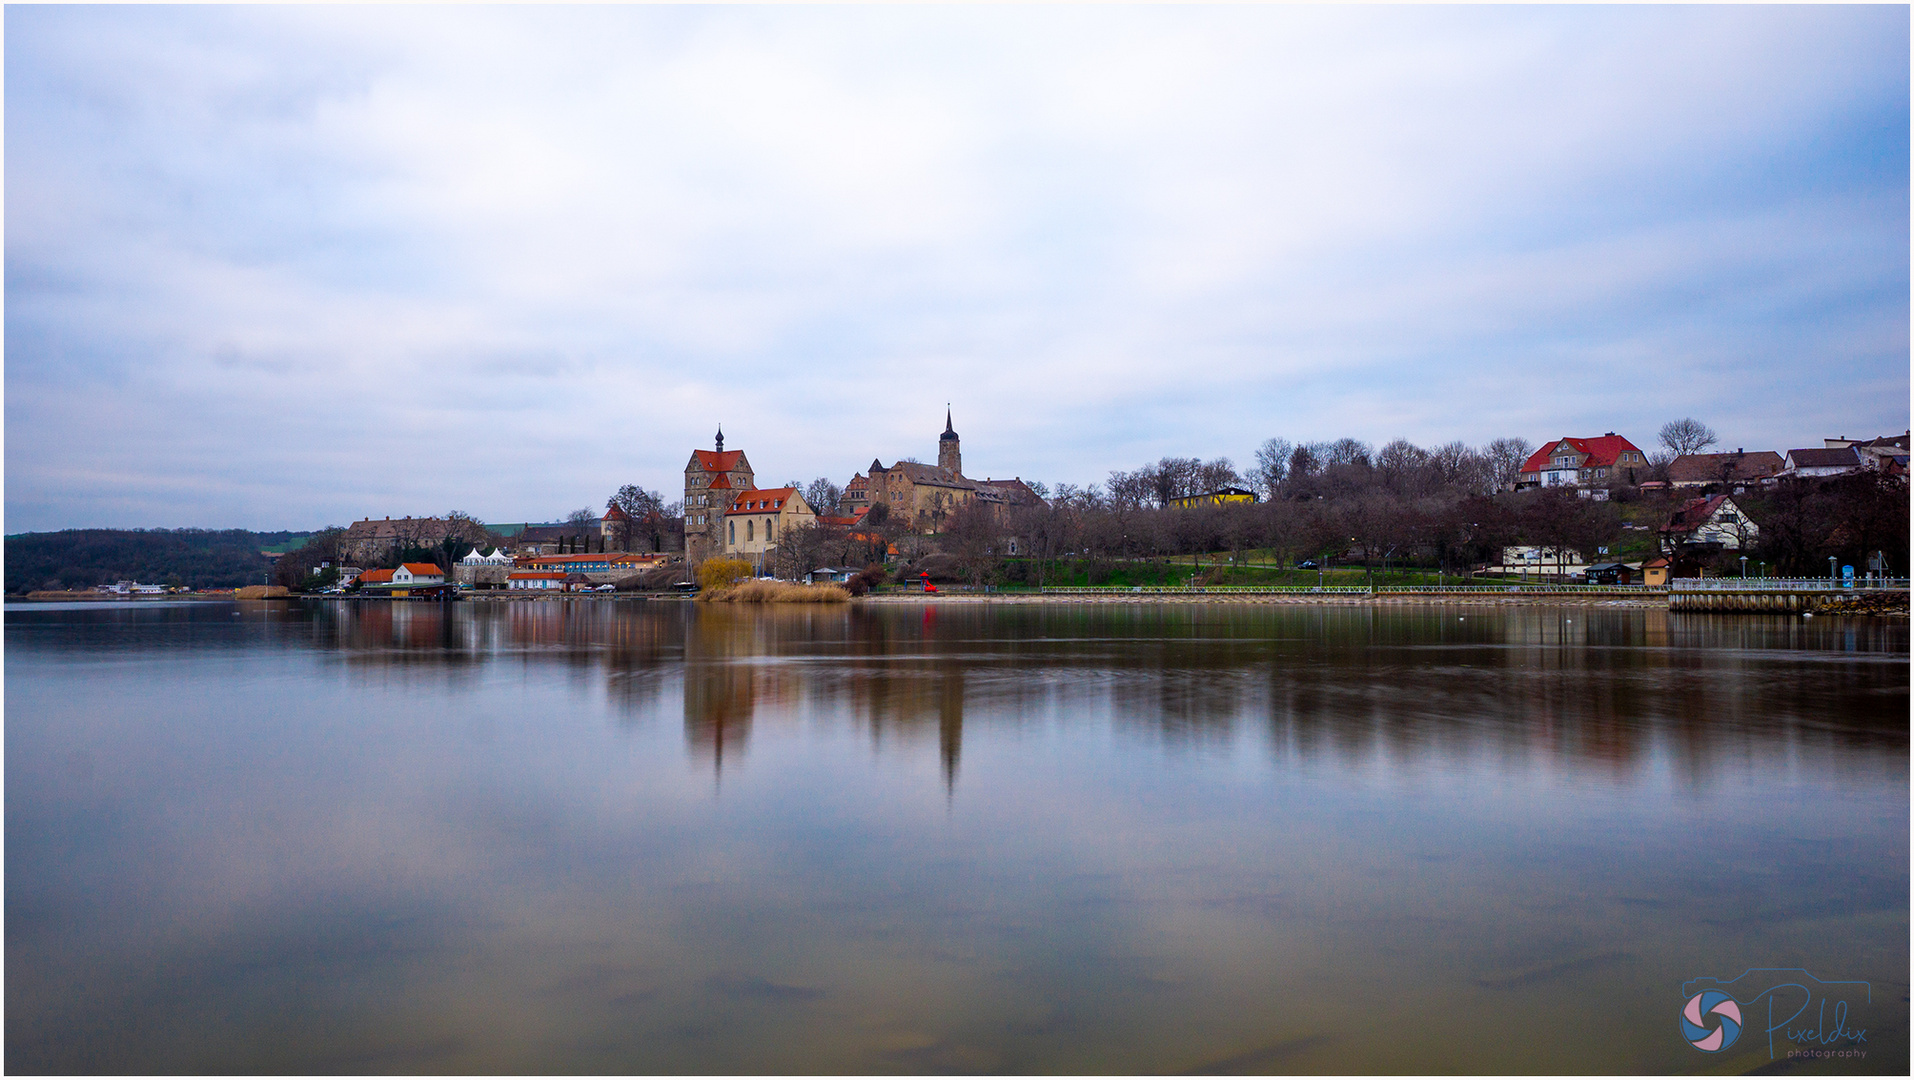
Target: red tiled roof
<point x="1601" y="451"/>
<point x="612" y="513"/>
<point x="716" y="460"/>
<point x="765" y="498"/>
<point x="535" y="575"/>
<point x="374" y="577"/>
<point x="720" y="481"/>
<point x="1693" y="514"/>
<point x="421" y="568"/>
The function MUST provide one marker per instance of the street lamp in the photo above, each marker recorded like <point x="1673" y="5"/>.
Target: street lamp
<point x="1831" y="562"/>
<point x="1744" y="566"/>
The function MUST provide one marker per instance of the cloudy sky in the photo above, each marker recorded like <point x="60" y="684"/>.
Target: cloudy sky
<point x="283" y="267"/>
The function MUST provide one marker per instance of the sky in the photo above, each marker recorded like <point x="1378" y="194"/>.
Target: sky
<point x="282" y="267"/>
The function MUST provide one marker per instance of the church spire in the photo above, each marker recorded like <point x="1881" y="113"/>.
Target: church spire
<point x="720" y="438"/>
<point x="948" y="430"/>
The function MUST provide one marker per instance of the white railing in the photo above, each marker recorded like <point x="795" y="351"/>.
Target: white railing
<point x="1787" y="584"/>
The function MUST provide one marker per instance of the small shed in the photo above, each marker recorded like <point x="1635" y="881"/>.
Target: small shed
<point x="1655" y="572"/>
<point x="1611" y="573"/>
<point x="830" y="573"/>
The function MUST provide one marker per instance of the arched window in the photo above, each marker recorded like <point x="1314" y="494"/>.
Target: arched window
<point x="767" y="528"/>
<point x="747" y="531"/>
<point x="732" y="528"/>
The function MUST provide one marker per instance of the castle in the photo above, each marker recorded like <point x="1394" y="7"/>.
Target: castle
<point x="922" y="496"/>
<point x="713" y="479"/>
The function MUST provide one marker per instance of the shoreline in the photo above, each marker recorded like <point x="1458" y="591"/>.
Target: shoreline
<point x="1344" y="600"/>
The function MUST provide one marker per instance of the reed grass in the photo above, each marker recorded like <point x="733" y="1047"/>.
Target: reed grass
<point x="775" y="592"/>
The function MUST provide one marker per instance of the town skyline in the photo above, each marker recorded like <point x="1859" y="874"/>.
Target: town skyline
<point x="274" y="268"/>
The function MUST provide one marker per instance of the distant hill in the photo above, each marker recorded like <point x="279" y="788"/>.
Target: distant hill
<point x="83" y="558"/>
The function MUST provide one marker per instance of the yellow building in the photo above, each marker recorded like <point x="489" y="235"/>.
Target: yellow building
<point x="1215" y="498"/>
<point x="758" y="517"/>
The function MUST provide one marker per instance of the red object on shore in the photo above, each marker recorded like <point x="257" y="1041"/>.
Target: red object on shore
<point x="928" y="587"/>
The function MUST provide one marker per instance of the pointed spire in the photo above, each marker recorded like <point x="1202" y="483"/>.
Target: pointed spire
<point x="720" y="438"/>
<point x="947" y="428"/>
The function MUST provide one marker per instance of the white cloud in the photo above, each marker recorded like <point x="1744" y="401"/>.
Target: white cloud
<point x="508" y="259"/>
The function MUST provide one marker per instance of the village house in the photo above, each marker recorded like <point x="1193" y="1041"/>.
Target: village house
<point x="1214" y="498"/>
<point x="1735" y="471"/>
<point x="1821" y="462"/>
<point x="1708" y="525"/>
<point x="1572" y="462"/>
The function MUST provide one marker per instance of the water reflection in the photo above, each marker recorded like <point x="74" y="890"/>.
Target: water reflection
<point x="569" y="835"/>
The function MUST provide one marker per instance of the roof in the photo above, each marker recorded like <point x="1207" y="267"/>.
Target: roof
<point x="1599" y="451"/>
<point x="722" y="480"/>
<point x="775" y="496"/>
<point x="535" y="575"/>
<point x="717" y="460"/>
<point x="1817" y="458"/>
<point x="919" y="473"/>
<point x="1694" y="514"/>
<point x="611" y="556"/>
<point x="1713" y="468"/>
<point x="1014" y="491"/>
<point x="374" y="577"/>
<point x="612" y="513"/>
<point x="418" y="568"/>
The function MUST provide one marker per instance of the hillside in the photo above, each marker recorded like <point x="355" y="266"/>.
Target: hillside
<point x="82" y="558"/>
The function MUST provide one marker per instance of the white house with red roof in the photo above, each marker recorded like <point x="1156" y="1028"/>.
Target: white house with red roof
<point x="417" y="573"/>
<point x="759" y="516"/>
<point x="1589" y="462"/>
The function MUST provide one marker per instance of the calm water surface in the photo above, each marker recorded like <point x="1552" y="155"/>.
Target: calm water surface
<point x="570" y="836"/>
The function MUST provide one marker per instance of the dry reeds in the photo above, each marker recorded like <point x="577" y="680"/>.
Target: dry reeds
<point x="776" y="592"/>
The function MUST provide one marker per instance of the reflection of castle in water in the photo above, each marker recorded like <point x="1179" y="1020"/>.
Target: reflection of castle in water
<point x="816" y="665"/>
<point x="1356" y="687"/>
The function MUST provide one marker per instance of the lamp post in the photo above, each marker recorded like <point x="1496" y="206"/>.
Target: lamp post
<point x="1831" y="561"/>
<point x="1744" y="566"/>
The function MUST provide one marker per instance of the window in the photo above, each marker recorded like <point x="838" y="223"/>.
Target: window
<point x="767" y="528"/>
<point x="747" y="531"/>
<point x="731" y="527"/>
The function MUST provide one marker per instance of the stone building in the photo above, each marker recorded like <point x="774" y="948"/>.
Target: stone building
<point x="757" y="519"/>
<point x="713" y="480"/>
<point x="924" y="496"/>
<point x="373" y="542"/>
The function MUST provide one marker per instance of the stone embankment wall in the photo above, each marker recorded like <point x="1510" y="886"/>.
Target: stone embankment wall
<point x="1790" y="601"/>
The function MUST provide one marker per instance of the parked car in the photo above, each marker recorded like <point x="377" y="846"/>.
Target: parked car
<point x="1306" y="564"/>
<point x="607" y="587"/>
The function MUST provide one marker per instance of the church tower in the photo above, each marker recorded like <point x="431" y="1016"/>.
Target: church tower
<point x="948" y="455"/>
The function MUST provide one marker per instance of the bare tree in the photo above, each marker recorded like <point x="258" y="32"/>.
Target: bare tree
<point x="1506" y="457"/>
<point x="823" y="496"/>
<point x="1272" y="465"/>
<point x="1215" y="475"/>
<point x="1348" y="452"/>
<point x="1687" y="436"/>
<point x="1305" y="460"/>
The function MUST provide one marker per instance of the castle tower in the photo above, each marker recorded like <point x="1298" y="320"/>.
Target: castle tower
<point x="948" y="454"/>
<point x="712" y="479"/>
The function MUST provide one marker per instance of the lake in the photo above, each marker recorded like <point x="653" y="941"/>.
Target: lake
<point x="596" y="836"/>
